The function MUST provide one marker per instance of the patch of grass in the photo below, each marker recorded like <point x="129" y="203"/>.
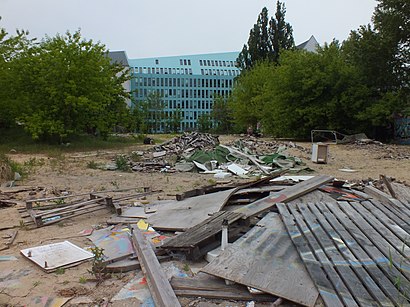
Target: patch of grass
<point x="98" y="266"/>
<point x="82" y="280"/>
<point x="19" y="140"/>
<point x="36" y="283"/>
<point x="121" y="162"/>
<point x="60" y="271"/>
<point x="211" y="181"/>
<point x="186" y="267"/>
<point x="93" y="165"/>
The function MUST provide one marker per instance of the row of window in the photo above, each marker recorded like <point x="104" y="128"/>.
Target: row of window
<point x="184" y="125"/>
<point x="219" y="72"/>
<point x="219" y="63"/>
<point x="183" y="82"/>
<point x="163" y="71"/>
<point x="177" y="93"/>
<point x="184" y="62"/>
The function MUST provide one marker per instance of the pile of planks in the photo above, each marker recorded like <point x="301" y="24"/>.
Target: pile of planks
<point x="307" y="243"/>
<point x="189" y="141"/>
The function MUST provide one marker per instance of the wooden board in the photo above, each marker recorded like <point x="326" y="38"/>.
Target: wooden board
<point x="208" y="228"/>
<point x="266" y="259"/>
<point x="184" y="214"/>
<point x="285" y="195"/>
<point x="159" y="286"/>
<point x="52" y="256"/>
<point x="356" y="249"/>
<point x="208" y="286"/>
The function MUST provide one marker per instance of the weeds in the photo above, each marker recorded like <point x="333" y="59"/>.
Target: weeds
<point x="82" y="280"/>
<point x="93" y="165"/>
<point x="98" y="266"/>
<point x="60" y="271"/>
<point x="36" y="283"/>
<point x="122" y="163"/>
<point x="186" y="267"/>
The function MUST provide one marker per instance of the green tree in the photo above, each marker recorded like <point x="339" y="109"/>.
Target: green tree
<point x="392" y="21"/>
<point x="267" y="39"/>
<point x="175" y="120"/>
<point x="66" y="85"/>
<point x="248" y="100"/>
<point x="204" y="122"/>
<point x="221" y="114"/>
<point x="153" y="113"/>
<point x="10" y="49"/>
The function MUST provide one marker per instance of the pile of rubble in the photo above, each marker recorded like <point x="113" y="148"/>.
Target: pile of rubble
<point x="277" y="239"/>
<point x="202" y="152"/>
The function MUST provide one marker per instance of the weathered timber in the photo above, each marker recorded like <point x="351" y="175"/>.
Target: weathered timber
<point x="284" y="196"/>
<point x="265" y="259"/>
<point x="158" y="283"/>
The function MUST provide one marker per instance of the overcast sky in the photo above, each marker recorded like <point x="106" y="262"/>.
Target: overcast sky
<point x="152" y="28"/>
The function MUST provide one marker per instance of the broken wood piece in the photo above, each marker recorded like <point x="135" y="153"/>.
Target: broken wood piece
<point x="266" y="259"/>
<point x="12" y="238"/>
<point x="127" y="265"/>
<point x="208" y="286"/>
<point x="201" y="238"/>
<point x="160" y="288"/>
<point x="251" y="158"/>
<point x="388" y="185"/>
<point x="284" y="196"/>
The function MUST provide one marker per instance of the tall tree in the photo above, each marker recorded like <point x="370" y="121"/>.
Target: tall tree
<point x="221" y="114"/>
<point x="66" y="85"/>
<point x="392" y="21"/>
<point x="11" y="47"/>
<point x="266" y="39"/>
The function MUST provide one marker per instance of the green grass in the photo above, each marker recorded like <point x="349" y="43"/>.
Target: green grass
<point x="20" y="141"/>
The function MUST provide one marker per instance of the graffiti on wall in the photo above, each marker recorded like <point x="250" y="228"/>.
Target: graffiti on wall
<point x="402" y="130"/>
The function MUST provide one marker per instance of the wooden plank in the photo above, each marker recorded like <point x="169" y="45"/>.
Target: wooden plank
<point x="340" y="284"/>
<point x="201" y="232"/>
<point x="310" y="260"/>
<point x="388" y="185"/>
<point x="391" y="212"/>
<point x="402" y="192"/>
<point x="377" y="255"/>
<point x="377" y="217"/>
<point x="385" y="198"/>
<point x="383" y="238"/>
<point x="265" y="259"/>
<point x="184" y="214"/>
<point x="205" y="285"/>
<point x="374" y="278"/>
<point x="158" y="283"/>
<point x="356" y="278"/>
<point x="284" y="196"/>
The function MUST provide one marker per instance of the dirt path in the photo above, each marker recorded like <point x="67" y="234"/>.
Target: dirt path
<point x="21" y="281"/>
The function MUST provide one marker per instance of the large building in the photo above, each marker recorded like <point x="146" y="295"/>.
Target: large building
<point x="187" y="84"/>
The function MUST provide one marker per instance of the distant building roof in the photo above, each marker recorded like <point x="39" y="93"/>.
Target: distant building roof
<point x="310" y="45"/>
<point x="119" y="57"/>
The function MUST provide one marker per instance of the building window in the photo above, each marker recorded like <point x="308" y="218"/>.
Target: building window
<point x="185" y="62"/>
<point x="189" y="62"/>
<point x="200" y="62"/>
<point x="181" y="62"/>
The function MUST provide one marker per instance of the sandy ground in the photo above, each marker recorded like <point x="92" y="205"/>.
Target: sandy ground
<point x="21" y="282"/>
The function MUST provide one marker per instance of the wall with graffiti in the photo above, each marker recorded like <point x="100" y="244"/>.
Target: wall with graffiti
<point x="402" y="130"/>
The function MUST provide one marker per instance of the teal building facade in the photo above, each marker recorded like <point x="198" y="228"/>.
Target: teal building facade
<point x="186" y="84"/>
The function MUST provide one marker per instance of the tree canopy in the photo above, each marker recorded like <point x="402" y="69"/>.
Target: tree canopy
<point x="356" y="86"/>
<point x="267" y="39"/>
<point x="64" y="85"/>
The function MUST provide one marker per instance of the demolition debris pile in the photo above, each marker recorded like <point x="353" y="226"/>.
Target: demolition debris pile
<point x="202" y="152"/>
